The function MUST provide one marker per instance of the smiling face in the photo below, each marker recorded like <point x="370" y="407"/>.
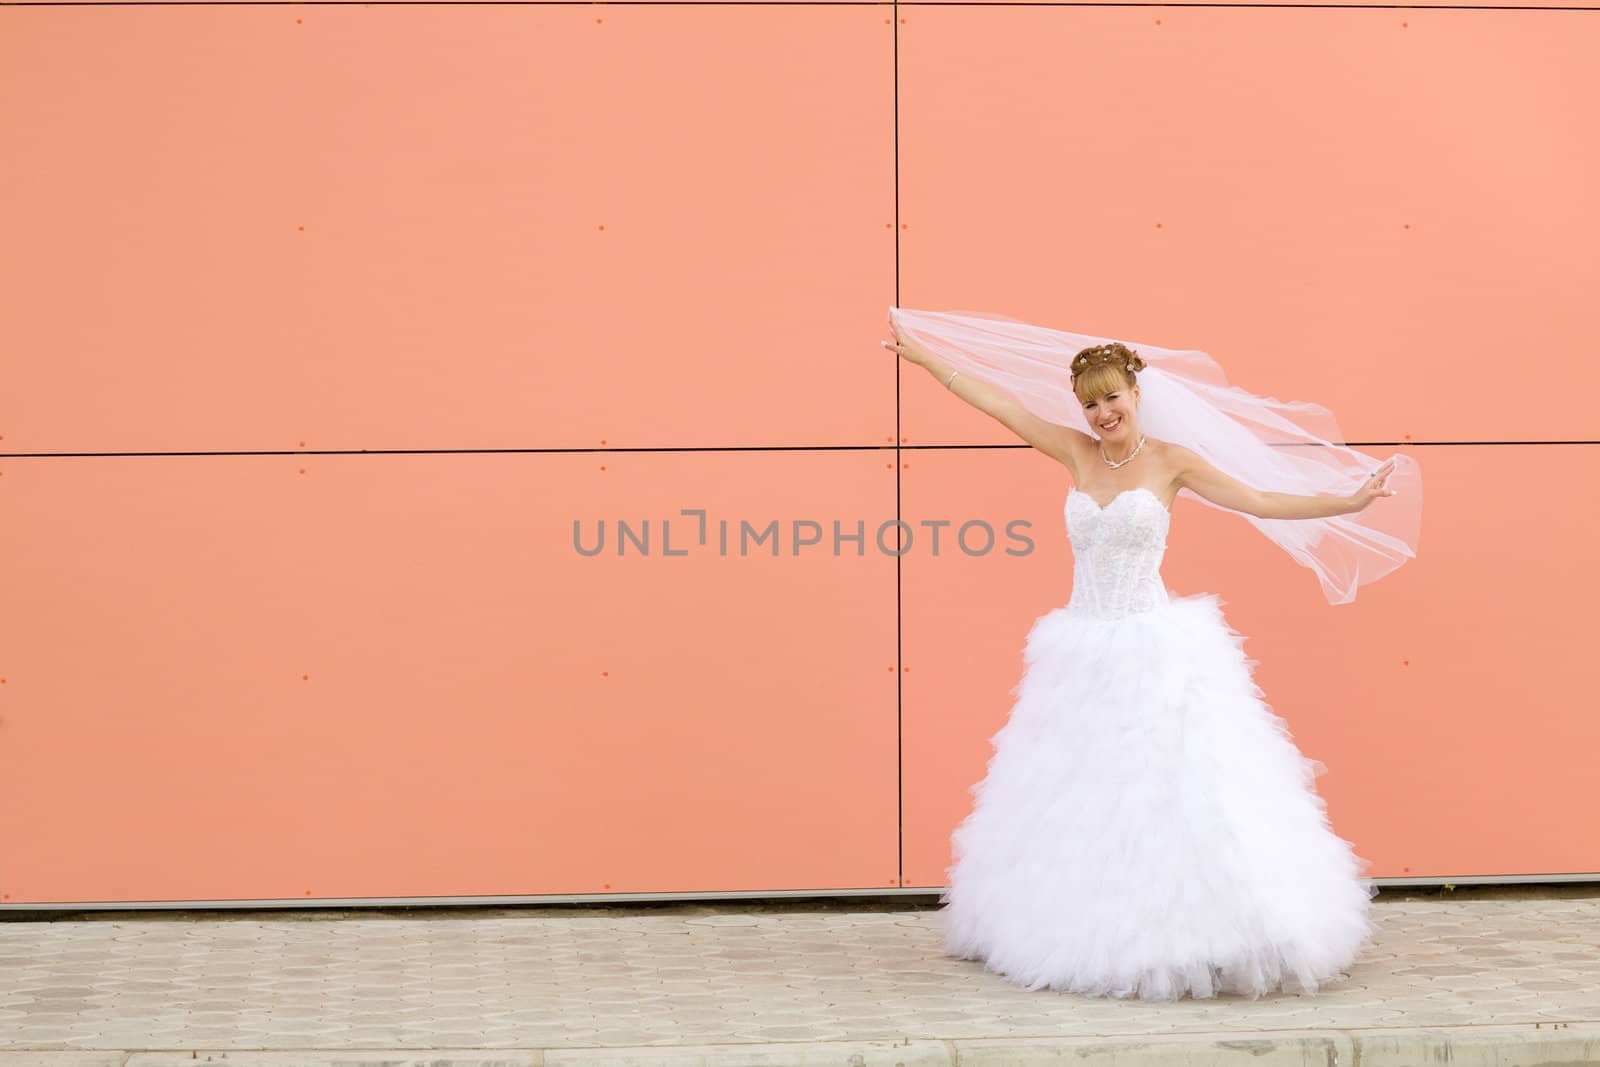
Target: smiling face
<point x="1103" y="379"/>
<point x="1114" y="415"/>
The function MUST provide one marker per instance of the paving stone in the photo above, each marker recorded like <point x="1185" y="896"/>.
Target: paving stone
<point x="691" y="977"/>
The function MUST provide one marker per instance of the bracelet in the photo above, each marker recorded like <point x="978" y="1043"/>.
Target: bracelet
<point x="952" y="378"/>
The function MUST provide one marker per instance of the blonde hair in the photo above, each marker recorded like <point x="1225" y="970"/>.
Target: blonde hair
<point x="1104" y="369"/>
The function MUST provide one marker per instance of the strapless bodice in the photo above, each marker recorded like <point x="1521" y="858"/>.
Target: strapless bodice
<point x="1117" y="552"/>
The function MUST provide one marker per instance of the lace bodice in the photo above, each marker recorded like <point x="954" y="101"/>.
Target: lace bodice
<point x="1117" y="552"/>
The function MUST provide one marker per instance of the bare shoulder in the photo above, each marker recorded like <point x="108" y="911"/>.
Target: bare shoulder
<point x="1189" y="470"/>
<point x="1173" y="460"/>
<point x="1063" y="444"/>
<point x="1173" y="457"/>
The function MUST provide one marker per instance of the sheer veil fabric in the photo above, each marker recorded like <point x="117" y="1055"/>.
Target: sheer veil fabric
<point x="1270" y="444"/>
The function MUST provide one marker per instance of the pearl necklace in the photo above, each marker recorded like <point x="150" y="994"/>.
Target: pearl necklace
<point x="1120" y="462"/>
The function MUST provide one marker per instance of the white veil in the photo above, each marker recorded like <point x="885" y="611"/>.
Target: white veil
<point x="1270" y="444"/>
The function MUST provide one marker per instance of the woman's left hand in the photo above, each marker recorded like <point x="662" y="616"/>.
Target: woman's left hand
<point x="1374" y="487"/>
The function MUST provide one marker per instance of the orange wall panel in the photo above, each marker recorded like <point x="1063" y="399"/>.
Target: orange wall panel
<point x="322" y="677"/>
<point x="714" y="3"/>
<point x="323" y="323"/>
<point x="412" y="226"/>
<point x="1451" y="702"/>
<point x="1386" y="211"/>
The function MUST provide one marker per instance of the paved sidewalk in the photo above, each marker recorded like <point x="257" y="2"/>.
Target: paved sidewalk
<point x="1491" y="976"/>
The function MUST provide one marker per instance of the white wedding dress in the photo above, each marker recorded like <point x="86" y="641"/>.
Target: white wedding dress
<point x="1146" y="826"/>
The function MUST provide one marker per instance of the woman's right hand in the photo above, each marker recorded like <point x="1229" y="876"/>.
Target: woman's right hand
<point x="903" y="348"/>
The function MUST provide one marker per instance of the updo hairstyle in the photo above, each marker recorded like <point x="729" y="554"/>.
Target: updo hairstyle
<point x="1104" y="369"/>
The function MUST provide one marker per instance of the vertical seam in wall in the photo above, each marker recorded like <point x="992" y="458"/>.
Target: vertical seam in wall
<point x="899" y="651"/>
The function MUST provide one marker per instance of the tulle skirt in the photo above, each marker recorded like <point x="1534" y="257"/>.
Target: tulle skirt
<point x="1146" y="825"/>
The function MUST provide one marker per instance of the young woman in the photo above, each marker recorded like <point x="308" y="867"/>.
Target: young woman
<point x="1146" y="826"/>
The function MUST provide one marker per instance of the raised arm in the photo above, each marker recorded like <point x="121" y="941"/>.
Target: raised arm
<point x="1195" y="474"/>
<point x="1060" y="443"/>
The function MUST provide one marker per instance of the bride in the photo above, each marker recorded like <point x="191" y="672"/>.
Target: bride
<point x="1146" y="825"/>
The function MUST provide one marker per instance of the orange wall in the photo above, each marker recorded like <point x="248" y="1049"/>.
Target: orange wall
<point x="324" y="323"/>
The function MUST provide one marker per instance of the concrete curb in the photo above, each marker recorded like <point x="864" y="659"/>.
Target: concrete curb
<point x="1552" y="1044"/>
